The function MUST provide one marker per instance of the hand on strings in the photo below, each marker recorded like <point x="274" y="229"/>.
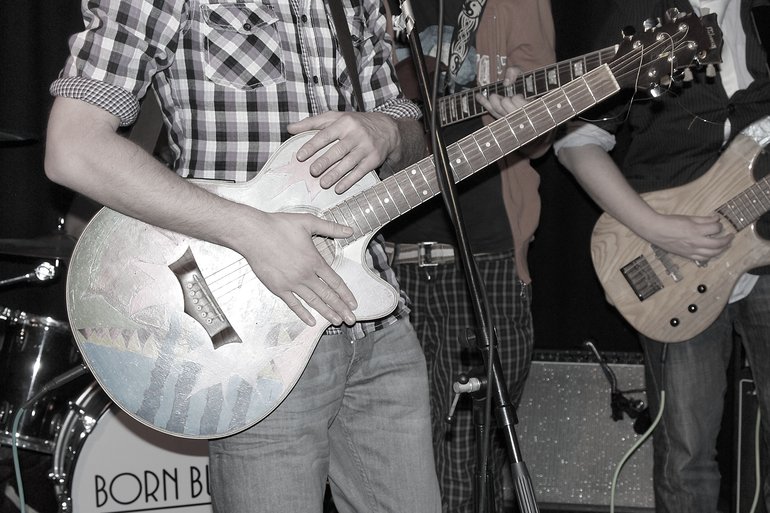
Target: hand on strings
<point x="699" y="238"/>
<point x="285" y="259"/>
<point x="500" y="106"/>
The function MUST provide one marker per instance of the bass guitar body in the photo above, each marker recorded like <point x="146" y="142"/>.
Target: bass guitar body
<point x="670" y="298"/>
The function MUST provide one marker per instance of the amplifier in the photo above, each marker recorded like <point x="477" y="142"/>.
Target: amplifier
<point x="569" y="440"/>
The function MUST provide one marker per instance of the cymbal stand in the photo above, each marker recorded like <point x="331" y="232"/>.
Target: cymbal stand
<point x="497" y="391"/>
<point x="46" y="271"/>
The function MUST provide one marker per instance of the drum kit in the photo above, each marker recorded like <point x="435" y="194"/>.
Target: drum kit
<point x="100" y="459"/>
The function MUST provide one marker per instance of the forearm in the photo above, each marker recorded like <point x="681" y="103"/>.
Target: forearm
<point x="85" y="154"/>
<point x="412" y="146"/>
<point x="600" y="177"/>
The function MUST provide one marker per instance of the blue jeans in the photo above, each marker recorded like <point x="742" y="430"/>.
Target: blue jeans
<point x="359" y="416"/>
<point x="694" y="376"/>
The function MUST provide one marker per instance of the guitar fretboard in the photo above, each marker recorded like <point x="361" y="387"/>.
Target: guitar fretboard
<point x="745" y="208"/>
<point x="370" y="210"/>
<point x="463" y="105"/>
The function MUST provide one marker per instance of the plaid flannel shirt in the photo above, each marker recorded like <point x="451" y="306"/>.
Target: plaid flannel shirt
<point x="230" y="76"/>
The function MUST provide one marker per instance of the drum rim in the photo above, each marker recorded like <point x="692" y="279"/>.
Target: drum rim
<point x="29" y="319"/>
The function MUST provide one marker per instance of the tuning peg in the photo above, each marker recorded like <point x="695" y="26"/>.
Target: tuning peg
<point x="667" y="81"/>
<point x="650" y="23"/>
<point x="687" y="75"/>
<point x="673" y="14"/>
<point x="711" y="71"/>
<point x="655" y="91"/>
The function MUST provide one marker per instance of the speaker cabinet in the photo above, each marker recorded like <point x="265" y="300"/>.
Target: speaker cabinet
<point x="570" y="442"/>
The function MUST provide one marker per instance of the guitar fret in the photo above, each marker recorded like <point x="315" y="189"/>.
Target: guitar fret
<point x="425" y="182"/>
<point x="378" y="207"/>
<point x="411" y="195"/>
<point x="390" y="202"/>
<point x="351" y="219"/>
<point x="410" y="187"/>
<point x="463" y="105"/>
<point x="367" y="212"/>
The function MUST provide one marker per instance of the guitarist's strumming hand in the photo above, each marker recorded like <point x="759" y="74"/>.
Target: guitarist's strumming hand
<point x="281" y="253"/>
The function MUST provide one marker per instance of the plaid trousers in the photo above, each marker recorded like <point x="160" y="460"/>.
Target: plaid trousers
<point x="442" y="314"/>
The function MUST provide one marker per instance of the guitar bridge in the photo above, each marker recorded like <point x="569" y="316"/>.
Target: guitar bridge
<point x="640" y="275"/>
<point x="200" y="304"/>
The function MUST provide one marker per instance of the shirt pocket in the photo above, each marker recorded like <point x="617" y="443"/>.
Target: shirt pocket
<point x="242" y="45"/>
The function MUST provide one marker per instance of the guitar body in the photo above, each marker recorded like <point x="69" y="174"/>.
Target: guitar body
<point x="223" y="359"/>
<point x="670" y="298"/>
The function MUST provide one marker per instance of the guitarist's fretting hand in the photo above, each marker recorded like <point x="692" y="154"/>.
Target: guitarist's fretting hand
<point x="365" y="140"/>
<point x="500" y="106"/>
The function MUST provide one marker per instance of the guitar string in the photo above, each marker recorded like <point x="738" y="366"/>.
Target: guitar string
<point x="539" y="111"/>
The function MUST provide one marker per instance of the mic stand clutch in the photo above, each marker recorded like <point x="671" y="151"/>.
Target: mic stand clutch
<point x="497" y="391"/>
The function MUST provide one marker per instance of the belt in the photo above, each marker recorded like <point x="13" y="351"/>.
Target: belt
<point x="424" y="254"/>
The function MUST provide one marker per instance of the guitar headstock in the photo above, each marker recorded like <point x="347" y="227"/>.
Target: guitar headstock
<point x="653" y="57"/>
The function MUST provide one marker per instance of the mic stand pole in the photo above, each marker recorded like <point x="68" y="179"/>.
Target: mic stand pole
<point x="504" y="411"/>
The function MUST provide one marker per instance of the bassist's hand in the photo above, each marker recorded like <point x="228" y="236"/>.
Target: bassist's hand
<point x="699" y="238"/>
<point x="285" y="259"/>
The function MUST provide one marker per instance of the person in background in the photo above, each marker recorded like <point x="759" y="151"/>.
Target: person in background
<point x="235" y="80"/>
<point x="663" y="143"/>
<point x="500" y="208"/>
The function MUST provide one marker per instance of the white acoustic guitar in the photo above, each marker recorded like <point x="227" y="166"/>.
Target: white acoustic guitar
<point x="183" y="336"/>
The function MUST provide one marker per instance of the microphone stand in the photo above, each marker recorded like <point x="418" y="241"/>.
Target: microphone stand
<point x="496" y="388"/>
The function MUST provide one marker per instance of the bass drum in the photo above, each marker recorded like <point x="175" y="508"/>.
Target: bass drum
<point x="105" y="461"/>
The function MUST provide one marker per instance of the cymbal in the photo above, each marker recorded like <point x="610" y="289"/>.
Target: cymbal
<point x="56" y="245"/>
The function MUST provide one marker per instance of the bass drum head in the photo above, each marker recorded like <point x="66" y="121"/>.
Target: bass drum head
<point x="110" y="462"/>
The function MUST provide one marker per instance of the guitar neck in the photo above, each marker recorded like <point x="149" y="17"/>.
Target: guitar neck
<point x="533" y="84"/>
<point x="370" y="210"/>
<point x="747" y="207"/>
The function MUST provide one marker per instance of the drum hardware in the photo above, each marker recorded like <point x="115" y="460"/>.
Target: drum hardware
<point x="33" y="351"/>
<point x="53" y="384"/>
<point x="43" y="272"/>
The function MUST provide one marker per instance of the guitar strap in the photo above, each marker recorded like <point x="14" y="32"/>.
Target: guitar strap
<point x="467" y="23"/>
<point x="346" y="47"/>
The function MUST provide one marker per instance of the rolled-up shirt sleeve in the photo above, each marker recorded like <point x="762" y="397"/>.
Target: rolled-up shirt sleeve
<point x="581" y="134"/>
<point x="124" y="44"/>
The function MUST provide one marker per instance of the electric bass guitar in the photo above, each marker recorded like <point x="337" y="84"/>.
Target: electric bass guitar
<point x="670" y="298"/>
<point x="183" y="336"/>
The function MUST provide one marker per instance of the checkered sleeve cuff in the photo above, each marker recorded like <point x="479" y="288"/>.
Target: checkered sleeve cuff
<point x="400" y="108"/>
<point x="111" y="98"/>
